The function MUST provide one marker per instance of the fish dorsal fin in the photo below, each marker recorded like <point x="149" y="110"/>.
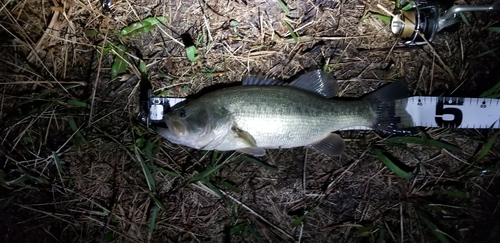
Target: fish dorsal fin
<point x="256" y="80"/>
<point x="332" y="145"/>
<point x="319" y="82"/>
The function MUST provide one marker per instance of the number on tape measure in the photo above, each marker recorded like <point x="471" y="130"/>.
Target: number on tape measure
<point x="453" y="112"/>
<point x="446" y="107"/>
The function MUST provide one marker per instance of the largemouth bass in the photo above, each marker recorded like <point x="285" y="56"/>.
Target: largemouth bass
<point x="267" y="114"/>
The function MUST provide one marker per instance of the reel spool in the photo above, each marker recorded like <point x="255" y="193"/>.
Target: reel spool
<point x="428" y="17"/>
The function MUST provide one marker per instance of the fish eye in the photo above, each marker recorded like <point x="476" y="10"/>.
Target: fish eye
<point x="182" y="113"/>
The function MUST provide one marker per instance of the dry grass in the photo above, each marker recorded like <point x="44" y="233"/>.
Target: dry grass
<point x="71" y="142"/>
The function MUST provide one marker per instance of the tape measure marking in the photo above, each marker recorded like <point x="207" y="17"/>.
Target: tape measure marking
<point x="453" y="112"/>
<point x="425" y="111"/>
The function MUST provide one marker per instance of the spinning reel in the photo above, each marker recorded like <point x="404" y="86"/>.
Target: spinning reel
<point x="428" y="17"/>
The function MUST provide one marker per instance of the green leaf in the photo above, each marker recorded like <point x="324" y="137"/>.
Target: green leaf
<point x="487" y="147"/>
<point x="142" y="27"/>
<point x="464" y="19"/>
<point x="192" y="53"/>
<point x="91" y="33"/>
<point x="391" y="165"/>
<point x="425" y="142"/>
<point x="299" y="220"/>
<point x="142" y="68"/>
<point x="384" y="18"/>
<point x="491" y="92"/>
<point x="494" y="29"/>
<point x="238" y="228"/>
<point x="364" y="230"/>
<point x="408" y="6"/>
<point x="458" y="194"/>
<point x="120" y="63"/>
<point x="78" y="103"/>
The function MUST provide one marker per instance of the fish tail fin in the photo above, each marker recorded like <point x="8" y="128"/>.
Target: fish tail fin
<point x="389" y="106"/>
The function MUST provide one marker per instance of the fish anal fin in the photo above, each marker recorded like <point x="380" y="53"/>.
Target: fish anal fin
<point x="319" y="82"/>
<point x="332" y="145"/>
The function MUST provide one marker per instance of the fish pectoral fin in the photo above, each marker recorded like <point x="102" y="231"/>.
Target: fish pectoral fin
<point x="332" y="145"/>
<point x="248" y="140"/>
<point x="244" y="136"/>
<point x="255" y="151"/>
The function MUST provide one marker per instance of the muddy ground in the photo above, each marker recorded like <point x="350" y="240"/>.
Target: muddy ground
<point x="77" y="165"/>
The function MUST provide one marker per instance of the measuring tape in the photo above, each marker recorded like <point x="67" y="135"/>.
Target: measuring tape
<point x="453" y="112"/>
<point x="425" y="111"/>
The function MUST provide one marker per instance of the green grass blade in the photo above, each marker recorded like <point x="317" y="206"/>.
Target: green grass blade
<point x="487" y="147"/>
<point x="457" y="194"/>
<point x="256" y="162"/>
<point x="152" y="221"/>
<point x="142" y="27"/>
<point x="441" y="237"/>
<point x="408" y="6"/>
<point x="79" y="138"/>
<point x="464" y="19"/>
<point x="8" y="202"/>
<point x="213" y="188"/>
<point x="485" y="53"/>
<point x="78" y="104"/>
<point x="145" y="169"/>
<point x="167" y="172"/>
<point x="491" y="92"/>
<point x="494" y="29"/>
<point x="384" y="18"/>
<point x="3" y="182"/>
<point x="425" y="142"/>
<point x="300" y="219"/>
<point x="204" y="174"/>
<point x="149" y="151"/>
<point x="58" y="162"/>
<point x="391" y="165"/>
<point x="283" y="7"/>
<point x="292" y="33"/>
<point x="230" y="186"/>
<point x="157" y="202"/>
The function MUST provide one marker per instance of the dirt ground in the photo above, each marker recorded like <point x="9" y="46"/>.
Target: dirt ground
<point x="77" y="165"/>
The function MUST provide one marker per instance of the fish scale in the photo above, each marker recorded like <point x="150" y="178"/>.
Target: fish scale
<point x="275" y="118"/>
